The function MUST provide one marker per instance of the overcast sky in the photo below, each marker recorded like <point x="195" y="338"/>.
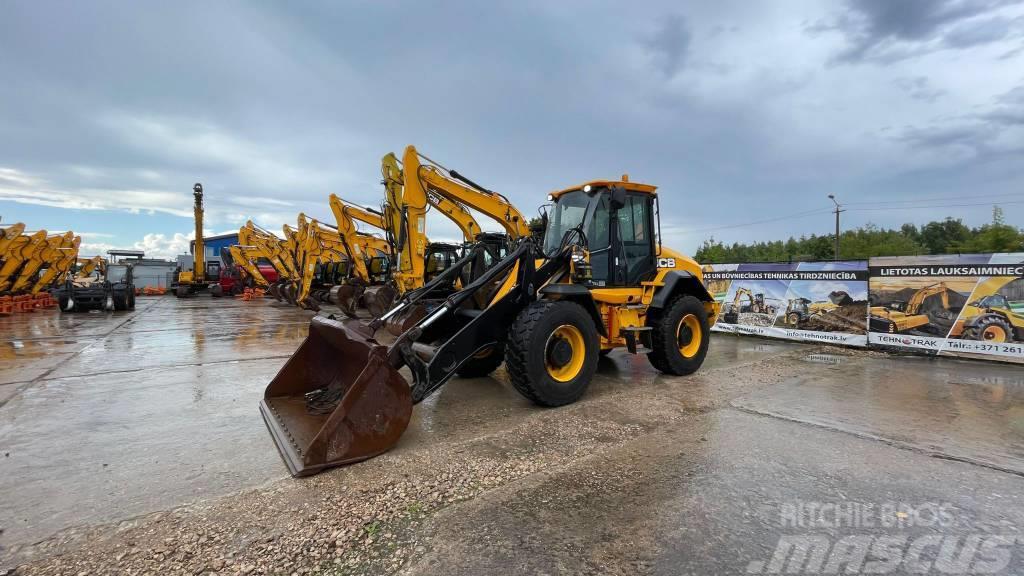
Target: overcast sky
<point x="746" y="114"/>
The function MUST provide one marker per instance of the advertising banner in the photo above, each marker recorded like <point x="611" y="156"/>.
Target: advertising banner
<point x="969" y="305"/>
<point x="823" y="302"/>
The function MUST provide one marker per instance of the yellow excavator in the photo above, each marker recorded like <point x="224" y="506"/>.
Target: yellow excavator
<point x="7" y="237"/>
<point x="990" y="317"/>
<point x="85" y="267"/>
<point x="59" y="268"/>
<point x="19" y="251"/>
<point x="369" y="258"/>
<point x="322" y="262"/>
<point x="898" y="317"/>
<point x="194" y="280"/>
<point x="755" y="304"/>
<point x="280" y="253"/>
<point x="599" y="280"/>
<point x="48" y="254"/>
<point x="408" y="185"/>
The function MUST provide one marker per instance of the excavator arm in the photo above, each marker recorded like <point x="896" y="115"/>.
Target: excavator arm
<point x="7" y="238"/>
<point x="246" y="258"/>
<point x="431" y="176"/>
<point x="405" y="210"/>
<point x="318" y="245"/>
<point x="66" y="257"/>
<point x="457" y="213"/>
<point x="19" y="251"/>
<point x="86" y="266"/>
<point x="274" y="249"/>
<point x="48" y="254"/>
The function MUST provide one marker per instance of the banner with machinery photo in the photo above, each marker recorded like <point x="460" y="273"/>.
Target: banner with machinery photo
<point x="969" y="305"/>
<point x="823" y="302"/>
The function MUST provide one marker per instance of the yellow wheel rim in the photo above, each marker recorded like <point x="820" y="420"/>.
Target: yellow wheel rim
<point x="994" y="334"/>
<point x="565" y="335"/>
<point x="689" y="336"/>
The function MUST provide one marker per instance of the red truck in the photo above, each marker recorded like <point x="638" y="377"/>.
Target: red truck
<point x="233" y="279"/>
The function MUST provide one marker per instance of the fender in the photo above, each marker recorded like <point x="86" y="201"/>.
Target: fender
<point x="580" y="295"/>
<point x="680" y="281"/>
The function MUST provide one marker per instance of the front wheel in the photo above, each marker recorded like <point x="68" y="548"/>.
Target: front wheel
<point x="990" y="328"/>
<point x="551" y="352"/>
<point x="680" y="336"/>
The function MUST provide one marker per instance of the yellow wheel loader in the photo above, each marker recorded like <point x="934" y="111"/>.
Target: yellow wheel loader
<point x="600" y="280"/>
<point x="989" y="317"/>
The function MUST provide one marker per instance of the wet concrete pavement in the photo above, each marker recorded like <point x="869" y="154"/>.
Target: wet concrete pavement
<point x="111" y="415"/>
<point x="646" y="474"/>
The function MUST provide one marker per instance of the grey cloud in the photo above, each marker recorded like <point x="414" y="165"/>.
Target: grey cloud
<point x="670" y="45"/>
<point x="919" y="88"/>
<point x="979" y="133"/>
<point x="891" y="30"/>
<point x="275" y="105"/>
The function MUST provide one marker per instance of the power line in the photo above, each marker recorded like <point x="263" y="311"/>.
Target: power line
<point x="820" y="211"/>
<point x="934" y="198"/>
<point x="787" y="217"/>
<point x="918" y="207"/>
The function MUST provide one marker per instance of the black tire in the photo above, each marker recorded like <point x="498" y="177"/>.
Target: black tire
<point x="120" y="301"/>
<point x="131" y="300"/>
<point x="530" y="345"/>
<point x="478" y="367"/>
<point x="793" y="319"/>
<point x="990" y="328"/>
<point x="670" y="333"/>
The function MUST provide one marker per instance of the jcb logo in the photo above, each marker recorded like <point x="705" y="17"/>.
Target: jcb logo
<point x="666" y="262"/>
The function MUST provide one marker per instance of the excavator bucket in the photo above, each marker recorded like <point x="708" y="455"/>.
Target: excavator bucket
<point x="347" y="297"/>
<point x="337" y="400"/>
<point x="379" y="299"/>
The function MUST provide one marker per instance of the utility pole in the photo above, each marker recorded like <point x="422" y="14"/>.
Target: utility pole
<point x="838" y="209"/>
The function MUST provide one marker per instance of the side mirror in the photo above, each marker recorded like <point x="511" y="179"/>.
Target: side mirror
<point x="618" y="198"/>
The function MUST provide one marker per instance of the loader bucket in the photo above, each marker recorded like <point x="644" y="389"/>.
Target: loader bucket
<point x="337" y="400"/>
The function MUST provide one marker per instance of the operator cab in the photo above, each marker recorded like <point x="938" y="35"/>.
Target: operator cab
<point x="617" y="221"/>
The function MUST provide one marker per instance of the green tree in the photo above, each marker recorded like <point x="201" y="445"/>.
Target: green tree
<point x="945" y="237"/>
<point x="939" y="237"/>
<point x="997" y="236"/>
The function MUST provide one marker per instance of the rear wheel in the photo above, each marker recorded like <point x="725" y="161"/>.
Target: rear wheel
<point x="482" y="363"/>
<point x="680" y="337"/>
<point x="120" y="301"/>
<point x="551" y="353"/>
<point x="990" y="328"/>
<point x="793" y="319"/>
